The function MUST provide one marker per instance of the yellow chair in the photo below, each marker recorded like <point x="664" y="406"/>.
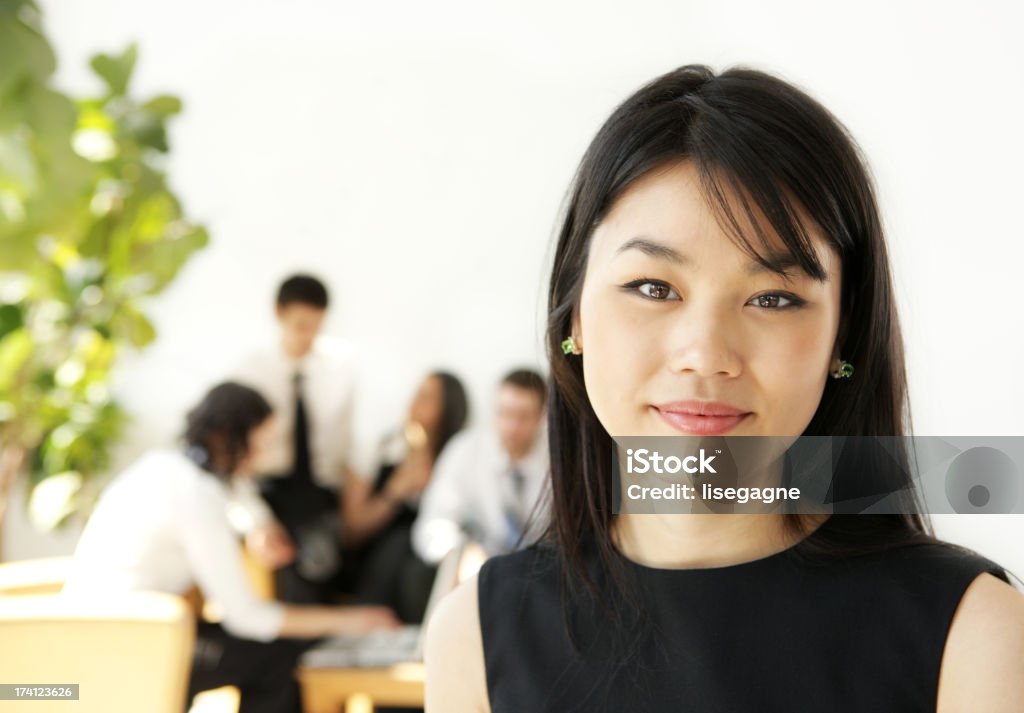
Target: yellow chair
<point x="131" y="652"/>
<point x="45" y="575"/>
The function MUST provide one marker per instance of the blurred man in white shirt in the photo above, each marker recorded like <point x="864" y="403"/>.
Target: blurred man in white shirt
<point x="290" y="516"/>
<point x="488" y="481"/>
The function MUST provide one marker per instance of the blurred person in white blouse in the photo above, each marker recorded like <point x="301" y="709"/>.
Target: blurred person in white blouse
<point x="489" y="483"/>
<point x="162" y="525"/>
<point x="290" y="514"/>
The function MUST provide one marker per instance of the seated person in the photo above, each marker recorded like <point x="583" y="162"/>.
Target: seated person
<point x="379" y="515"/>
<point x="488" y="482"/>
<point x="162" y="525"/>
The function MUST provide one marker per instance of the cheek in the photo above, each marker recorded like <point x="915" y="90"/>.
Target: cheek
<point x="619" y="354"/>
<point x="791" y="371"/>
<point x="796" y="350"/>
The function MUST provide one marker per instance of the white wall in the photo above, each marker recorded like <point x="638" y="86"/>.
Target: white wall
<point x="416" y="154"/>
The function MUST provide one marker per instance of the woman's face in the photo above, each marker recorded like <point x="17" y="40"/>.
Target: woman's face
<point x="671" y="310"/>
<point x="427" y="404"/>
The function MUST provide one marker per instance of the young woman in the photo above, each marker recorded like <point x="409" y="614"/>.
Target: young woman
<point x="162" y="525"/>
<point x="379" y="515"/>
<point x="720" y="269"/>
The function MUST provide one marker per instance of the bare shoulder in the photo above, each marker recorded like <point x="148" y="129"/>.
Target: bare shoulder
<point x="454" y="654"/>
<point x="983" y="662"/>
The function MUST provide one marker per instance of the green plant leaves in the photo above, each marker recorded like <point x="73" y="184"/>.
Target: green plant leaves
<point x="132" y="326"/>
<point x="116" y="70"/>
<point x="15" y="351"/>
<point x="163" y="106"/>
<point x="24" y="52"/>
<point x="11" y="318"/>
<point x="89" y="230"/>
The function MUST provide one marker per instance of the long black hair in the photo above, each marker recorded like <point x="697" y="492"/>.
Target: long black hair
<point x="217" y="430"/>
<point x="454" y="408"/>
<point x="756" y="138"/>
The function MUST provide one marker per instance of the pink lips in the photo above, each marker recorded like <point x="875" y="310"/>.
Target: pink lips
<point x="706" y="418"/>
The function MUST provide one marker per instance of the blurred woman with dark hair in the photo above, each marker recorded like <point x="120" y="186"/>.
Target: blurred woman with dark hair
<point x="162" y="525"/>
<point x="382" y="567"/>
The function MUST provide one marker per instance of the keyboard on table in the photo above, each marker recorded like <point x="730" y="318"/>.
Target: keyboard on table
<point x="378" y="648"/>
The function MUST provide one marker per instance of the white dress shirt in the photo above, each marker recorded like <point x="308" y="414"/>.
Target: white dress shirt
<point x="328" y="393"/>
<point x="161" y="525"/>
<point x="471" y="488"/>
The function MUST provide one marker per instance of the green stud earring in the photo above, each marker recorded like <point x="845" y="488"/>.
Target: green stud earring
<point x="845" y="370"/>
<point x="569" y="346"/>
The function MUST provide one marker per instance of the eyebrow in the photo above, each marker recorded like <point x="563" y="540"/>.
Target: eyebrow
<point x="783" y="260"/>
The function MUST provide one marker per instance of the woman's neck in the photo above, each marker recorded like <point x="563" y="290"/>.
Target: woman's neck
<point x="686" y="541"/>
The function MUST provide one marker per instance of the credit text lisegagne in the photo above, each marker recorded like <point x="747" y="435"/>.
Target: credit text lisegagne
<point x="644" y="461"/>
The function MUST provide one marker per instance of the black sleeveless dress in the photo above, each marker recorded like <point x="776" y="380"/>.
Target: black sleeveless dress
<point x="858" y="634"/>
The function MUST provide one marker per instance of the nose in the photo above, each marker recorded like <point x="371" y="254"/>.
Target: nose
<point x="703" y="341"/>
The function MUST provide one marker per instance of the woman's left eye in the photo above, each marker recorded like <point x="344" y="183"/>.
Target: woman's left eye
<point x="656" y="290"/>
<point x="771" y="300"/>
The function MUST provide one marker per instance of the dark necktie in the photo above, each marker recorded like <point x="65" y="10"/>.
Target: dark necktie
<point x="316" y="528"/>
<point x="301" y="433"/>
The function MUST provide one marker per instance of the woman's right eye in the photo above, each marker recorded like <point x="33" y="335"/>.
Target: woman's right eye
<point x="653" y="289"/>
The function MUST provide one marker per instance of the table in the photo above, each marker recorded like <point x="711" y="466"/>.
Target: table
<point x="357" y="690"/>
